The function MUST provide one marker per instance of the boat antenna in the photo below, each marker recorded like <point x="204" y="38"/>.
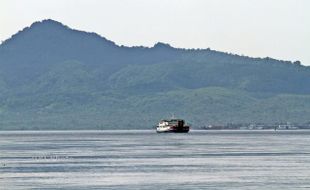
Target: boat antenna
<point x="172" y="116"/>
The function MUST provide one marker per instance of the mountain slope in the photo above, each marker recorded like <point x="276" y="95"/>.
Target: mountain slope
<point x="54" y="77"/>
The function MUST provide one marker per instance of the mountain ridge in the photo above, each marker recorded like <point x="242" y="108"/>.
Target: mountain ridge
<point x="51" y="22"/>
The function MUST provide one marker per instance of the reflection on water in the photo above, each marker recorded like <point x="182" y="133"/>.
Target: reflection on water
<point x="147" y="160"/>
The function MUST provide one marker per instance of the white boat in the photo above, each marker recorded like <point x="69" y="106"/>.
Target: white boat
<point x="172" y="126"/>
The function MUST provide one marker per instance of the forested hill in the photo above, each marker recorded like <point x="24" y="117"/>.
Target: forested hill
<point x="54" y="77"/>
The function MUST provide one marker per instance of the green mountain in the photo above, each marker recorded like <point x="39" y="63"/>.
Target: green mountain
<point x="54" y="77"/>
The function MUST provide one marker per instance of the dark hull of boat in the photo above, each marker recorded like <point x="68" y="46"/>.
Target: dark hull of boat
<point x="184" y="129"/>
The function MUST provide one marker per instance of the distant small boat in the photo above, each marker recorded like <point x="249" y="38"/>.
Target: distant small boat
<point x="172" y="126"/>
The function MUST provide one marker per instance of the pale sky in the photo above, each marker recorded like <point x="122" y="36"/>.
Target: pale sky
<point x="256" y="28"/>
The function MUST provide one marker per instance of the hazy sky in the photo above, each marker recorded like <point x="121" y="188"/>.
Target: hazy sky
<point x="258" y="28"/>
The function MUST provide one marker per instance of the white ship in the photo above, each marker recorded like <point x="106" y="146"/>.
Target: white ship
<point x="172" y="126"/>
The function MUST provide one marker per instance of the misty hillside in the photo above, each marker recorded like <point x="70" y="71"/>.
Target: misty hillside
<point x="54" y="77"/>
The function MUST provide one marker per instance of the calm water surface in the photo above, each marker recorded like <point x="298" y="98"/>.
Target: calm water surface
<point x="79" y="160"/>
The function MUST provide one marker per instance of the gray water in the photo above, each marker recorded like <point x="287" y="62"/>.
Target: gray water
<point x="145" y="160"/>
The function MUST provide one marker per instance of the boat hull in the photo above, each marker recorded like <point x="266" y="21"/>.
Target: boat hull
<point x="172" y="129"/>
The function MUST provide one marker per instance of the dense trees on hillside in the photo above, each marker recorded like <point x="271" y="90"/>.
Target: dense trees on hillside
<point x="54" y="77"/>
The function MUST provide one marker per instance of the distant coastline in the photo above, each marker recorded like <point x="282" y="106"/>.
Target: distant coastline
<point x="258" y="126"/>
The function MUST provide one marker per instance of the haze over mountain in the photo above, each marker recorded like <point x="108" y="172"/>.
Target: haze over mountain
<point x="54" y="77"/>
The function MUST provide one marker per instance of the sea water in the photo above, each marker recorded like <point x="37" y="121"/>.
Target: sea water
<point x="130" y="159"/>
